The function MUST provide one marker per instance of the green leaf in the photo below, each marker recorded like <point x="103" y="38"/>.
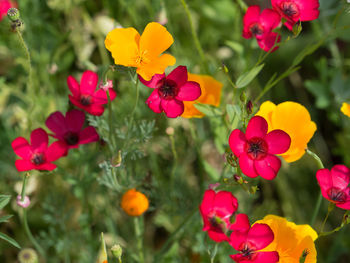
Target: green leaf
<point x="305" y="52"/>
<point x="10" y="240"/>
<point x="234" y="115"/>
<point x="247" y="77"/>
<point x="209" y="110"/>
<point x="5" y="218"/>
<point x="4" y="199"/>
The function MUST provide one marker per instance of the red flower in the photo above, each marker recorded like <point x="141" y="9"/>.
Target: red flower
<point x="4" y="6"/>
<point x="256" y="148"/>
<point x="84" y="95"/>
<point x="295" y="10"/>
<point x="170" y="92"/>
<point x="260" y="25"/>
<point x="216" y="210"/>
<point x="37" y="155"/>
<point x="69" y="129"/>
<point x="249" y="240"/>
<point x="334" y="185"/>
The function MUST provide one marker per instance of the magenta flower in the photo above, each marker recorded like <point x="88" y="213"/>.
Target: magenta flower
<point x="256" y="148"/>
<point x="334" y="185"/>
<point x="295" y="10"/>
<point x="249" y="240"/>
<point x="37" y="155"/>
<point x="260" y="26"/>
<point x="84" y="95"/>
<point x="69" y="129"/>
<point x="4" y="6"/>
<point x="170" y="92"/>
<point x="216" y="210"/>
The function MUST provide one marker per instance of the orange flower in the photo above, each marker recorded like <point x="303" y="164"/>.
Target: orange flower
<point x="134" y="203"/>
<point x="345" y="108"/>
<point x="143" y="52"/>
<point x="211" y="94"/>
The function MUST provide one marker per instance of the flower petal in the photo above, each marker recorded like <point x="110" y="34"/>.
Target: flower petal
<point x="247" y="166"/>
<point x="172" y="108"/>
<point x="96" y="110"/>
<point x="88" y="82"/>
<point x="24" y="165"/>
<point x="156" y="81"/>
<point x="178" y="75"/>
<point x="257" y="127"/>
<point x="263" y="257"/>
<point x="260" y="235"/>
<point x="217" y="236"/>
<point x="73" y="86"/>
<point x="250" y="17"/>
<point x="278" y="141"/>
<point x="155" y="66"/>
<point x="225" y="202"/>
<point x="56" y="150"/>
<point x="269" y="19"/>
<point x="237" y="238"/>
<point x="324" y="179"/>
<point x="100" y="96"/>
<point x="345" y="205"/>
<point x="207" y="203"/>
<point x="88" y="135"/>
<point x="46" y="167"/>
<point x="237" y="142"/>
<point x="268" y="41"/>
<point x="189" y="91"/>
<point x="22" y="148"/>
<point x="241" y="223"/>
<point x="340" y="176"/>
<point x="56" y="123"/>
<point x="268" y="167"/>
<point x="39" y="139"/>
<point x="75" y="120"/>
<point x="154" y="102"/>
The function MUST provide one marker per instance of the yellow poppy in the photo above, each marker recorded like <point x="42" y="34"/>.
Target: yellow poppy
<point x="211" y="94"/>
<point x="143" y="52"/>
<point x="294" y="119"/>
<point x="291" y="241"/>
<point x="134" y="203"/>
<point x="345" y="108"/>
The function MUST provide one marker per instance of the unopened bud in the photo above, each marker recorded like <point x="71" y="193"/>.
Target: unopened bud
<point x="25" y="203"/>
<point x="249" y="107"/>
<point x="28" y="255"/>
<point x="13" y="14"/>
<point x="170" y="131"/>
<point x="253" y="189"/>
<point x="225" y="69"/>
<point x="243" y="97"/>
<point x="117" y="251"/>
<point x="117" y="159"/>
<point x="106" y="85"/>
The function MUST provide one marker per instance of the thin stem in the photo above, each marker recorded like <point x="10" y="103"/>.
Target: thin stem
<point x="212" y="256"/>
<point x="139" y="238"/>
<point x="330" y="209"/>
<point x="315" y="156"/>
<point x="110" y="119"/>
<point x="173" y="149"/>
<point x="243" y="5"/>
<point x="29" y="61"/>
<point x="23" y="192"/>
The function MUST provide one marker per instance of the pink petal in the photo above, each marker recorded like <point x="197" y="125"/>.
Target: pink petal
<point x="88" y="82"/>
<point x="73" y="86"/>
<point x="39" y="139"/>
<point x="46" y="167"/>
<point x="88" y="135"/>
<point x="345" y="205"/>
<point x="237" y="142"/>
<point x="247" y="166"/>
<point x="217" y="236"/>
<point x="289" y="24"/>
<point x="24" y="165"/>
<point x="22" y="148"/>
<point x="324" y="179"/>
<point x="340" y="176"/>
<point x="178" y="75"/>
<point x="250" y="17"/>
<point x="269" y="19"/>
<point x="207" y="203"/>
<point x="308" y="9"/>
<point x="100" y="96"/>
<point x="75" y="120"/>
<point x="56" y="150"/>
<point x="264" y="257"/>
<point x="239" y="258"/>
<point x="268" y="41"/>
<point x="76" y="101"/>
<point x="278" y="141"/>
<point x="241" y="223"/>
<point x="260" y="235"/>
<point x="56" y="123"/>
<point x="172" y="108"/>
<point x="225" y="202"/>
<point x="156" y="81"/>
<point x="238" y="238"/>
<point x="154" y="102"/>
<point x="189" y="91"/>
<point x="96" y="110"/>
<point x="268" y="167"/>
<point x="257" y="127"/>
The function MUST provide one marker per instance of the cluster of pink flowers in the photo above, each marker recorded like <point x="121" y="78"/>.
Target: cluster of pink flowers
<point x="67" y="129"/>
<point x="261" y="24"/>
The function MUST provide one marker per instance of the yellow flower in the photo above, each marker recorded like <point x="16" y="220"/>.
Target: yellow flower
<point x="143" y="52"/>
<point x="345" y="108"/>
<point x="291" y="240"/>
<point x="294" y="119"/>
<point x="134" y="203"/>
<point x="211" y="94"/>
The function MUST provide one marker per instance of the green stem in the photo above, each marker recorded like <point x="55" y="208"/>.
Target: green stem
<point x="139" y="238"/>
<point x="315" y="156"/>
<point x="173" y="149"/>
<point x="330" y="209"/>
<point x="29" y="61"/>
<point x="212" y="256"/>
<point x="243" y="5"/>
<point x="136" y="102"/>
<point x="110" y="120"/>
<point x="23" y="192"/>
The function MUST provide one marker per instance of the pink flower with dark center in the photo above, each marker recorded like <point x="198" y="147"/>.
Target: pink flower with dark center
<point x="170" y="92"/>
<point x="216" y="210"/>
<point x="260" y="26"/>
<point x="69" y="129"/>
<point x="249" y="240"/>
<point x="295" y="10"/>
<point x="4" y="6"/>
<point x="334" y="185"/>
<point x="84" y="95"/>
<point x="37" y="155"/>
<point x="256" y="148"/>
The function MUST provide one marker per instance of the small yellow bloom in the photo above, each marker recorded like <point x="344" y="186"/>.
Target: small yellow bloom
<point x="345" y="108"/>
<point x="211" y="94"/>
<point x="294" y="119"/>
<point x="143" y="52"/>
<point x="134" y="203"/>
<point x="291" y="240"/>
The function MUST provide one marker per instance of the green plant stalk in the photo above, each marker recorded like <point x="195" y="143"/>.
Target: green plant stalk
<point x="29" y="61"/>
<point x="139" y="238"/>
<point x="23" y="192"/>
<point x="212" y="256"/>
<point x="173" y="149"/>
<point x="110" y="121"/>
<point x="243" y="5"/>
<point x="330" y="209"/>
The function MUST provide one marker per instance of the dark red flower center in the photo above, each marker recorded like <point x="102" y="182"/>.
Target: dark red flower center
<point x="248" y="251"/>
<point x="71" y="138"/>
<point x="85" y="99"/>
<point x="168" y="90"/>
<point x="336" y="195"/>
<point x="256" y="148"/>
<point x="290" y="9"/>
<point x="256" y="29"/>
<point x="38" y="158"/>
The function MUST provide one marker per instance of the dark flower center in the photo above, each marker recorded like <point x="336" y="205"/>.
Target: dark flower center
<point x="248" y="252"/>
<point x="256" y="29"/>
<point x="86" y="100"/>
<point x="290" y="9"/>
<point x="336" y="195"/>
<point x="71" y="138"/>
<point x="168" y="90"/>
<point x="38" y="158"/>
<point x="256" y="148"/>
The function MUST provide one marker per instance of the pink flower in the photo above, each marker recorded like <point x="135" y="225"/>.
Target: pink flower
<point x="260" y="26"/>
<point x="295" y="10"/>
<point x="4" y="6"/>
<point x="37" y="155"/>
<point x="334" y="185"/>
<point x="249" y="240"/>
<point x="170" y="92"/>
<point x="69" y="129"/>
<point x="84" y="95"/>
<point x="256" y="148"/>
<point x="25" y="203"/>
<point x="216" y="210"/>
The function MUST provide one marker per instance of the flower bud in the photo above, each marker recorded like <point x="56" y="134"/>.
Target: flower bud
<point x="249" y="107"/>
<point x="243" y="97"/>
<point x="13" y="14"/>
<point x="25" y="203"/>
<point x="28" y="255"/>
<point x="117" y="251"/>
<point x="134" y="203"/>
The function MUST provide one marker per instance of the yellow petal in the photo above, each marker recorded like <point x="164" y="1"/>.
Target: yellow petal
<point x="155" y="66"/>
<point x="265" y="111"/>
<point x="345" y="108"/>
<point x="190" y="111"/>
